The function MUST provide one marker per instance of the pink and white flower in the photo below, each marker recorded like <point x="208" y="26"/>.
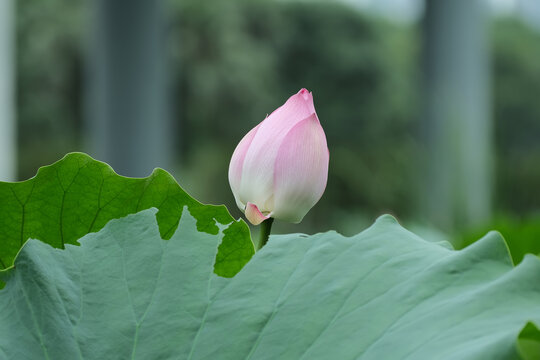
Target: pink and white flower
<point x="280" y="168"/>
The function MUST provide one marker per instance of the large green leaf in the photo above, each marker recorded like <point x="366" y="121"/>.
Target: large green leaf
<point x="78" y="195"/>
<point x="383" y="294"/>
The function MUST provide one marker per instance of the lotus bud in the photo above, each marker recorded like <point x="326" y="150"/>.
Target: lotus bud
<point x="280" y="168"/>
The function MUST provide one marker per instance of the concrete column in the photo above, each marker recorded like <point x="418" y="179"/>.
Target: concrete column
<point x="7" y="91"/>
<point x="127" y="103"/>
<point x="457" y="119"/>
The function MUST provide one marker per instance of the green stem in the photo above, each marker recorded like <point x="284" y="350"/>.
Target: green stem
<point x="266" y="226"/>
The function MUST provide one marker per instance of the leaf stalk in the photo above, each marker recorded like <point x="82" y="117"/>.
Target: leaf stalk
<point x="264" y="234"/>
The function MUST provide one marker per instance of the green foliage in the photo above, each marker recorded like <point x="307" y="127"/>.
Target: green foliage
<point x="78" y="195"/>
<point x="529" y="342"/>
<point x="521" y="235"/>
<point x="517" y="113"/>
<point x="383" y="294"/>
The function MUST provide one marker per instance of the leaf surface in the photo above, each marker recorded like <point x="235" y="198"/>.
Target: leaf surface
<point x="79" y="195"/>
<point x="383" y="294"/>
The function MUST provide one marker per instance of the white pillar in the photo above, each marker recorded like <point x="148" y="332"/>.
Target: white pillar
<point x="127" y="106"/>
<point x="7" y="91"/>
<point x="457" y="113"/>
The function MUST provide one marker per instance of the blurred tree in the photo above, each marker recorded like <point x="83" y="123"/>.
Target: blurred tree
<point x="517" y="116"/>
<point x="7" y="91"/>
<point x="457" y="116"/>
<point x="235" y="61"/>
<point x="49" y="75"/>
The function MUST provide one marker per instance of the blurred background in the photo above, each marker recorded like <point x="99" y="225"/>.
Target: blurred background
<point x="431" y="107"/>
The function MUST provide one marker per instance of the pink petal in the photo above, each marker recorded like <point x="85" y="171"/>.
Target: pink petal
<point x="295" y="109"/>
<point x="254" y="215"/>
<point x="301" y="170"/>
<point x="258" y="168"/>
<point x="237" y="163"/>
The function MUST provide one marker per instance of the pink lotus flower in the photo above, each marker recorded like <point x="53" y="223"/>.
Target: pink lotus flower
<point x="280" y="167"/>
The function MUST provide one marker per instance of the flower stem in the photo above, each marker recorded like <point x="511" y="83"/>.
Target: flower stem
<point x="264" y="233"/>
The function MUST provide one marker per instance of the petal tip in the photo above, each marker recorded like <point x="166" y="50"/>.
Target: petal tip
<point x="305" y="93"/>
<point x="254" y="215"/>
